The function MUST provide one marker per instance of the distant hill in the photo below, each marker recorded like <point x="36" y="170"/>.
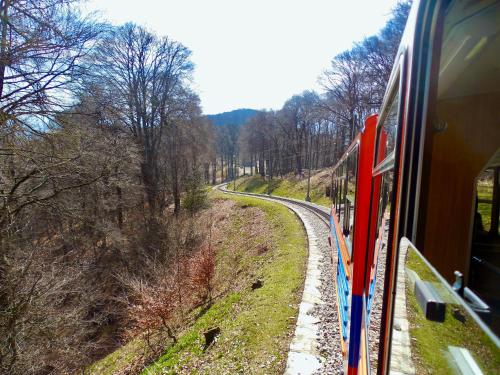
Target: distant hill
<point x="237" y="117"/>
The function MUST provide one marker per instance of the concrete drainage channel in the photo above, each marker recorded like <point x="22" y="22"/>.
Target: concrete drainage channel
<point x="314" y="348"/>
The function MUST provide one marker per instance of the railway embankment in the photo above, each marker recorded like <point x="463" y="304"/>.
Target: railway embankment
<point x="316" y="344"/>
<point x="258" y="243"/>
<point x="315" y="347"/>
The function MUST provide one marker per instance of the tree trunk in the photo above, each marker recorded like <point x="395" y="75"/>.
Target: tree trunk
<point x="222" y="168"/>
<point x="175" y="190"/>
<point x="298" y="159"/>
<point x="261" y="166"/>
<point x="214" y="171"/>
<point x="119" y="207"/>
<point x="3" y="45"/>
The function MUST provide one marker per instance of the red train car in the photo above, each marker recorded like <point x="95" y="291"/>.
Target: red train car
<point x="419" y="187"/>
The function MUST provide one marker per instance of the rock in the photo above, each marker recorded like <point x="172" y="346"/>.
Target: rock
<point x="210" y="336"/>
<point x="257" y="284"/>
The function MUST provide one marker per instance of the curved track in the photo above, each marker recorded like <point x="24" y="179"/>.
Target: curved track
<point x="320" y="212"/>
<point x="315" y="347"/>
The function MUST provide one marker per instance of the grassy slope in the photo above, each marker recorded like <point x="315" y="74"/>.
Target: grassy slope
<point x="430" y="340"/>
<point x="288" y="187"/>
<point x="256" y="326"/>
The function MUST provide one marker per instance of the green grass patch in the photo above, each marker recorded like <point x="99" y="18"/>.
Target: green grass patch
<point x="290" y="188"/>
<point x="430" y="340"/>
<point x="119" y="359"/>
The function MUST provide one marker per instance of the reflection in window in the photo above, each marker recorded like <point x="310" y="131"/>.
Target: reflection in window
<point x="388" y="131"/>
<point x="485" y="223"/>
<point x="436" y="346"/>
<point x="484" y="278"/>
<point x="384" y="198"/>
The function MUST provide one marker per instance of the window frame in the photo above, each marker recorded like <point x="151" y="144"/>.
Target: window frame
<point x="395" y="88"/>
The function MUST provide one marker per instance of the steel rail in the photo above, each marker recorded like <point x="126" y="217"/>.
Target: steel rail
<point x="325" y="217"/>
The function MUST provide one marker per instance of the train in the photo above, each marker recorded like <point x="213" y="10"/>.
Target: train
<point x="416" y="201"/>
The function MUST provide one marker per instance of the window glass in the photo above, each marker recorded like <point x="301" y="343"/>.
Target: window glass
<point x="484" y="202"/>
<point x="436" y="326"/>
<point x="351" y="179"/>
<point x="388" y="126"/>
<point x="382" y="192"/>
<point x="484" y="276"/>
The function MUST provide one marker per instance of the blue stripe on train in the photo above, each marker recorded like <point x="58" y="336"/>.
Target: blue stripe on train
<point x="342" y="288"/>
<point x="357" y="307"/>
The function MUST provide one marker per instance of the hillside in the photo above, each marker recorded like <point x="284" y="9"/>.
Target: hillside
<point x="253" y="240"/>
<point x="237" y="117"/>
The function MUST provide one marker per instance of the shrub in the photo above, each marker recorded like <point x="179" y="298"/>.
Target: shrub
<point x="202" y="272"/>
<point x="196" y="197"/>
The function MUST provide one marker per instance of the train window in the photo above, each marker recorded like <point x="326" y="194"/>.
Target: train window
<point x="442" y="336"/>
<point x="462" y="137"/>
<point x="388" y="127"/>
<point x="384" y="206"/>
<point x="350" y="193"/>
<point x="345" y="181"/>
<point x="390" y="124"/>
<point x="484" y="272"/>
<point x="486" y="215"/>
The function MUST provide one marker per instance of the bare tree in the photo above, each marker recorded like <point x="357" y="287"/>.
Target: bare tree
<point x="146" y="75"/>
<point x="41" y="45"/>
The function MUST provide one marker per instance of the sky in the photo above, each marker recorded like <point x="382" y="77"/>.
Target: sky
<point x="254" y="53"/>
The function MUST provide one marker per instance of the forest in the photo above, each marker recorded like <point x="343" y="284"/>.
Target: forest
<point x="105" y="162"/>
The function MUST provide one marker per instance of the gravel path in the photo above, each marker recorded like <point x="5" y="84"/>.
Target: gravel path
<point x="329" y="331"/>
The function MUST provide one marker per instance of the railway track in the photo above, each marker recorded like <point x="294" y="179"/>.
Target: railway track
<point x="315" y="347"/>
<point x="322" y="213"/>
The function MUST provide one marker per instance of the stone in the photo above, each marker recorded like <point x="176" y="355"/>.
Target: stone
<point x="257" y="284"/>
<point x="210" y="336"/>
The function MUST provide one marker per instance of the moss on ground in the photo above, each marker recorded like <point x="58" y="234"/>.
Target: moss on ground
<point x="256" y="326"/>
<point x="290" y="187"/>
<point x="430" y="340"/>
